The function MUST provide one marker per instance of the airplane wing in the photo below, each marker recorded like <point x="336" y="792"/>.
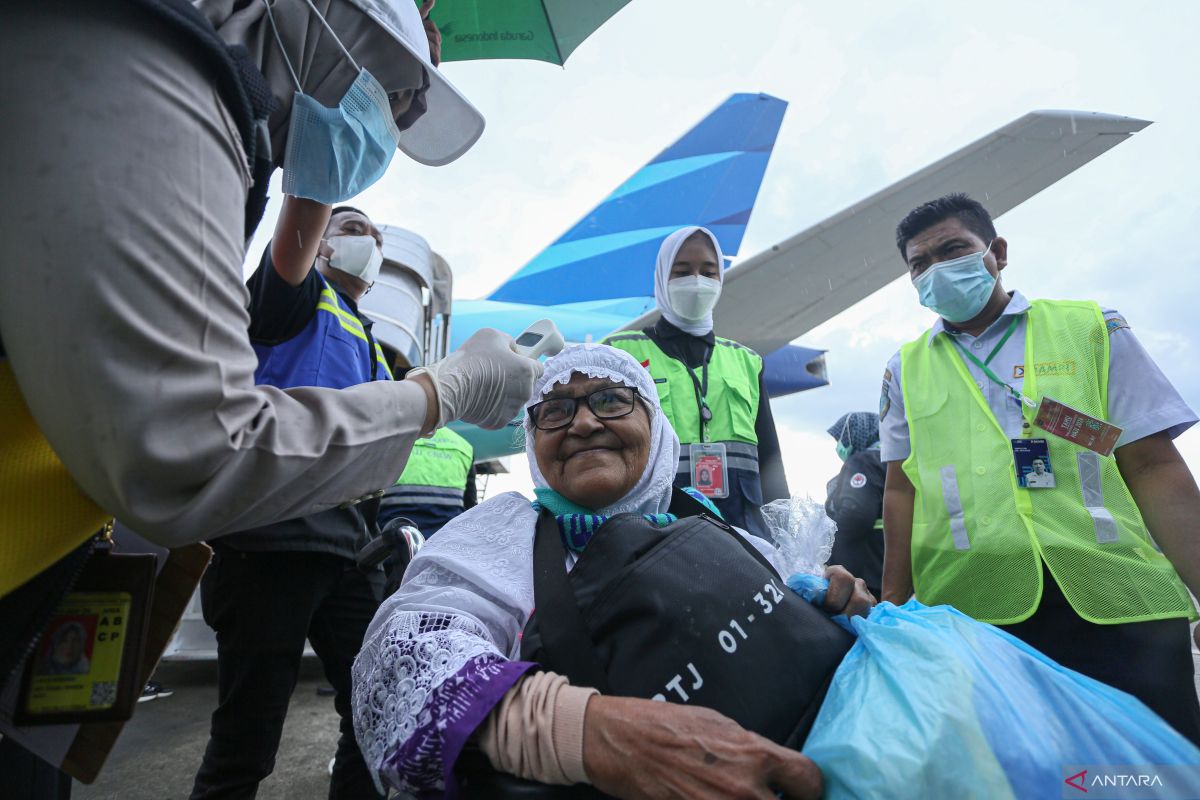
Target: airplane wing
<point x="786" y="291"/>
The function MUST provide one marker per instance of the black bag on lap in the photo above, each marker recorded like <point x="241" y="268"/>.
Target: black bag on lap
<point x="688" y="613"/>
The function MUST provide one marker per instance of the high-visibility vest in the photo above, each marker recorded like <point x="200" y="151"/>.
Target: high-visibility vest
<point x="436" y="472"/>
<point x="978" y="538"/>
<point x="732" y="396"/>
<point x="43" y="513"/>
<point x="333" y="350"/>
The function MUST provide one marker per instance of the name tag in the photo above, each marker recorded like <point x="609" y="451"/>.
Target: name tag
<point x="708" y="470"/>
<point x="1032" y="459"/>
<point x="87" y="665"/>
<point x="1077" y="427"/>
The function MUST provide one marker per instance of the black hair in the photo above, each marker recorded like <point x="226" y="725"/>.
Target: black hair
<point x="969" y="212"/>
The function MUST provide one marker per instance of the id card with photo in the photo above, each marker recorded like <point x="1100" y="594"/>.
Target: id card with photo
<point x="87" y="665"/>
<point x="708" y="470"/>
<point x="77" y="665"/>
<point x="1077" y="427"/>
<point x="1032" y="459"/>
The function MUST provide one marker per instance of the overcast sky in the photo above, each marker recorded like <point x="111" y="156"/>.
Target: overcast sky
<point x="877" y="90"/>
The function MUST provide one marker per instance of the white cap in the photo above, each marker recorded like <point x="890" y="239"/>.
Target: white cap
<point x="450" y="125"/>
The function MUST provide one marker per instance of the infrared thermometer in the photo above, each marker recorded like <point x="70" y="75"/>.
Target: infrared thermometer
<point x="539" y="339"/>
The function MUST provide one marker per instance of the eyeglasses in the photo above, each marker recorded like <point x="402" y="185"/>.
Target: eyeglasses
<point x="610" y="402"/>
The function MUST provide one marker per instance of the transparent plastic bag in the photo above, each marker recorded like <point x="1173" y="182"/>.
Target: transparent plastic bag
<point x="803" y="534"/>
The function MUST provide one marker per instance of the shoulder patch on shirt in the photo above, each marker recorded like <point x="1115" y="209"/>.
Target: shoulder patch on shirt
<point x="885" y="401"/>
<point x="858" y="480"/>
<point x="1114" y="323"/>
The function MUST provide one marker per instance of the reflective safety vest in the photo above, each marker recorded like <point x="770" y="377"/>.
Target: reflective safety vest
<point x="43" y="513"/>
<point x="978" y="539"/>
<point x="436" y="472"/>
<point x="333" y="350"/>
<point x="733" y="383"/>
<point x="430" y="490"/>
<point x="732" y="395"/>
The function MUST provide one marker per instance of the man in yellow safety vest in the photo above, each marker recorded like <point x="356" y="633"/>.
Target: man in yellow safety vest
<point x="1003" y="498"/>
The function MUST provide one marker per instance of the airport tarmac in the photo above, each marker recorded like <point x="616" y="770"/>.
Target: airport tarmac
<point x="160" y="749"/>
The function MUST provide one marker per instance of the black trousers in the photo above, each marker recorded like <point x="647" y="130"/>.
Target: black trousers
<point x="1150" y="660"/>
<point x="263" y="606"/>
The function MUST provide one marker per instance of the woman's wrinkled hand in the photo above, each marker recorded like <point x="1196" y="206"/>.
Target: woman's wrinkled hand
<point x="634" y="748"/>
<point x="847" y="594"/>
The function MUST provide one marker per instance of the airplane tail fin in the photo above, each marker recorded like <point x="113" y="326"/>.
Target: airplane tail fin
<point x="709" y="177"/>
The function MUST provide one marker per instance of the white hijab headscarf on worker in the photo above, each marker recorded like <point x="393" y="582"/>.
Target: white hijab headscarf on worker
<point x="652" y="493"/>
<point x="688" y="321"/>
<point x="385" y="37"/>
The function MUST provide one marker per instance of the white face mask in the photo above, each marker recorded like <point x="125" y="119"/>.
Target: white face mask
<point x="356" y="255"/>
<point x="693" y="297"/>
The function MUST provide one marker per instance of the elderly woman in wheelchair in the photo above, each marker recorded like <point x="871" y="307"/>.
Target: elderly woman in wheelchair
<point x="614" y="632"/>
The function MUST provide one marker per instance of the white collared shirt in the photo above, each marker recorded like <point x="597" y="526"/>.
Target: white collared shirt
<point x="1141" y="400"/>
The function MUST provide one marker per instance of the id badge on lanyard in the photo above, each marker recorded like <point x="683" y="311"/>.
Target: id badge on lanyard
<point x="1055" y="418"/>
<point x="707" y="459"/>
<point x="708" y="469"/>
<point x="87" y="665"/>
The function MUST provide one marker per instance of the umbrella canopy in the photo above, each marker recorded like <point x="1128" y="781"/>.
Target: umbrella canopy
<point x="539" y="30"/>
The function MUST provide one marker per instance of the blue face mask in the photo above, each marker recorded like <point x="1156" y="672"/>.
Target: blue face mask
<point x="843" y="451"/>
<point x="956" y="290"/>
<point x="333" y="154"/>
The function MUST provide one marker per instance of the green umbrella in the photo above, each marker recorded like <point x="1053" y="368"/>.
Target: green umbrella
<point x="540" y="30"/>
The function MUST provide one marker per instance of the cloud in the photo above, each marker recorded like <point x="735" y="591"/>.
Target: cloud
<point x="876" y="91"/>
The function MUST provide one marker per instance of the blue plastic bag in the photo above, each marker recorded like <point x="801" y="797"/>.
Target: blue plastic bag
<point x="813" y="588"/>
<point x="930" y="703"/>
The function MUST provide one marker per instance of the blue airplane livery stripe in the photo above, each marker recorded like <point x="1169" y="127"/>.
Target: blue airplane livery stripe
<point x="560" y="253"/>
<point x="657" y="172"/>
<point x="625" y="272"/>
<point x="688" y="199"/>
<point x="753" y="118"/>
<point x="709" y="177"/>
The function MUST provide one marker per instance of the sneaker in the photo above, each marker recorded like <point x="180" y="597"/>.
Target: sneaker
<point x="153" y="691"/>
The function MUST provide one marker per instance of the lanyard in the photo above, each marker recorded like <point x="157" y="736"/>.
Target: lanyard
<point x="701" y="385"/>
<point x="983" y="365"/>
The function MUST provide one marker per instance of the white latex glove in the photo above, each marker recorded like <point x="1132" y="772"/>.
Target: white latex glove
<point x="483" y="382"/>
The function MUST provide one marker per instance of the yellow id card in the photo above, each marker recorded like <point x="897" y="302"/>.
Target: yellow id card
<point x="77" y="665"/>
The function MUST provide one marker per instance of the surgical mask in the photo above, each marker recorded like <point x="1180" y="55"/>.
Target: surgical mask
<point x="356" y="255"/>
<point x="956" y="290"/>
<point x="334" y="154"/>
<point x="843" y="451"/>
<point x="693" y="296"/>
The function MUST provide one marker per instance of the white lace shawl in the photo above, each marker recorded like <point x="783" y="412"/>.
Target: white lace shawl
<point x="469" y="592"/>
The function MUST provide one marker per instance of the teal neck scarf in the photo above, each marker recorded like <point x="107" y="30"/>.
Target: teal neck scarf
<point x="577" y="524"/>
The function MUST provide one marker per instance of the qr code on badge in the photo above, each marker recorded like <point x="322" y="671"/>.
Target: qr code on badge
<point x="104" y="693"/>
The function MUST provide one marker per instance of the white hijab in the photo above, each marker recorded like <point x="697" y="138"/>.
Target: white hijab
<point x="652" y="493"/>
<point x="662" y="273"/>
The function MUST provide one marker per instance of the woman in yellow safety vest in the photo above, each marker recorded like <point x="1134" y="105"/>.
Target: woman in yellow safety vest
<point x="711" y="389"/>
